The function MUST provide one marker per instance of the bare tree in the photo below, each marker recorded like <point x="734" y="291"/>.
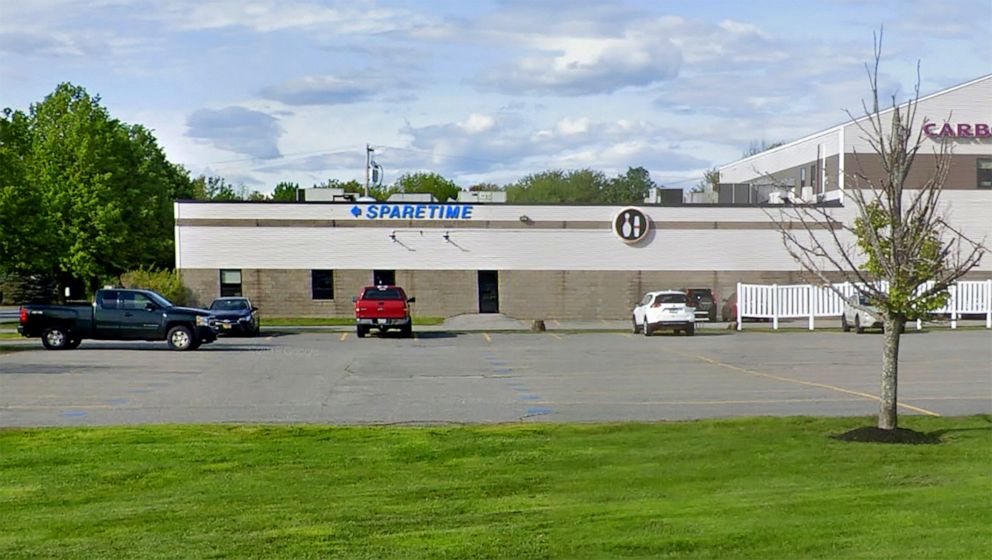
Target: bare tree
<point x="900" y="252"/>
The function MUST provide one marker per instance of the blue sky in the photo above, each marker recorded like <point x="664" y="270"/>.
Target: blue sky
<point x="262" y="91"/>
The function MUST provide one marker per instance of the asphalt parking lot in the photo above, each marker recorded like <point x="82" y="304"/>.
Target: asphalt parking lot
<point x="477" y="377"/>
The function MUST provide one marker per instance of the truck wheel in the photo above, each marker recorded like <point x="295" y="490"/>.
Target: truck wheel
<point x="690" y="330"/>
<point x="360" y="332"/>
<point x="55" y="338"/>
<point x="73" y="343"/>
<point x="647" y="328"/>
<point x="181" y="338"/>
<point x="844" y="325"/>
<point x="637" y="328"/>
<point x="857" y="325"/>
<point x="712" y="315"/>
<point x="407" y="331"/>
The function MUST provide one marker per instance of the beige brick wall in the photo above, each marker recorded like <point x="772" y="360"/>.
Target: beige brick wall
<point x="445" y="293"/>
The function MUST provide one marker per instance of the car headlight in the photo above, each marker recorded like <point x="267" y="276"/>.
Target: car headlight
<point x="202" y="321"/>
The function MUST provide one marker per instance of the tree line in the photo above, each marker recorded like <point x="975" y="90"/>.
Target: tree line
<point x="580" y="186"/>
<point x="85" y="197"/>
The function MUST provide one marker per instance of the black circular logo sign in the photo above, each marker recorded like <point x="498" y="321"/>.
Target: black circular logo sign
<point x="631" y="225"/>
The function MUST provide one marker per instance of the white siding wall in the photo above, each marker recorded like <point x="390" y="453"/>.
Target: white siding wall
<point x="784" y="157"/>
<point x="524" y="248"/>
<point x="969" y="103"/>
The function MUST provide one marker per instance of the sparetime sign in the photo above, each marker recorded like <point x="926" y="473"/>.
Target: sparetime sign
<point x="958" y="130"/>
<point x="414" y="212"/>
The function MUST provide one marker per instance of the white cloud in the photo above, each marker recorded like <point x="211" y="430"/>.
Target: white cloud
<point x="574" y="66"/>
<point x="477" y="123"/>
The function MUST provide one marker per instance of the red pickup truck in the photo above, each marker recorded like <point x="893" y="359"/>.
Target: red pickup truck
<point x="383" y="308"/>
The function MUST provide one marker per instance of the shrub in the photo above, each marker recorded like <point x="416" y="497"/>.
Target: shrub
<point x="166" y="282"/>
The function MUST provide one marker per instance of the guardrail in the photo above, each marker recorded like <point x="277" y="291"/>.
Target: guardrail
<point x="806" y="301"/>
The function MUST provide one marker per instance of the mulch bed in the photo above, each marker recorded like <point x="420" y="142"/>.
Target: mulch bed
<point x="872" y="434"/>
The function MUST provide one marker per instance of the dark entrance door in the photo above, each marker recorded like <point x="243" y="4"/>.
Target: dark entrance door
<point x="488" y="291"/>
<point x="384" y="277"/>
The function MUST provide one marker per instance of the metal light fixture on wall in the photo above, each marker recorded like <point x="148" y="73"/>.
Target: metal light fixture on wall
<point x="392" y="235"/>
<point x="447" y="237"/>
<point x="525" y="218"/>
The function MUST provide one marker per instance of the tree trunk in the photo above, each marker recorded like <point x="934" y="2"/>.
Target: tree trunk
<point x="887" y="414"/>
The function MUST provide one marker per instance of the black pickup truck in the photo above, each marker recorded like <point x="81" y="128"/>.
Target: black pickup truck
<point x="118" y="314"/>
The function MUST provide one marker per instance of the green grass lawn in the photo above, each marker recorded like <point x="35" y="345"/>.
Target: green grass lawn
<point x="743" y="488"/>
<point x="332" y="321"/>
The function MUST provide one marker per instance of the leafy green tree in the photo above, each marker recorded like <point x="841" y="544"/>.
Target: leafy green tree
<point x="25" y="228"/>
<point x="709" y="183"/>
<point x="558" y="186"/>
<point x="629" y="188"/>
<point x="82" y="194"/>
<point x="427" y="182"/>
<point x="105" y="186"/>
<point x="215" y="188"/>
<point x="166" y="282"/>
<point x="285" y="192"/>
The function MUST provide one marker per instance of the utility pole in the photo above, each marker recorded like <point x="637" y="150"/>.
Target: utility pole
<point x="368" y="167"/>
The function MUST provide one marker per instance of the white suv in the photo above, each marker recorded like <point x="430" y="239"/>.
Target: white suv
<point x="860" y="314"/>
<point x="664" y="310"/>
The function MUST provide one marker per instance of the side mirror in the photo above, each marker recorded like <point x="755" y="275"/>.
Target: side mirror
<point x="254" y="309"/>
<point x="354" y="299"/>
<point x="411" y="300"/>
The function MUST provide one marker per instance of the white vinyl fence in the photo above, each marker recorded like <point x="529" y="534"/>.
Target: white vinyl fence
<point x="805" y="301"/>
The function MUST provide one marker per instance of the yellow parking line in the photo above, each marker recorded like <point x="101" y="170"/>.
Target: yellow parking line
<point x="806" y="383"/>
<point x="701" y="402"/>
<point x="487" y="337"/>
<point x="555" y="335"/>
<point x="344" y="336"/>
<point x="557" y="323"/>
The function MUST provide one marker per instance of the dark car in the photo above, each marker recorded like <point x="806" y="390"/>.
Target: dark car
<point x="235" y="315"/>
<point x="704" y="301"/>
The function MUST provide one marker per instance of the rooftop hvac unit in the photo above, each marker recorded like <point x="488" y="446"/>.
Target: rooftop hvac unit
<point x="777" y="197"/>
<point x="833" y="195"/>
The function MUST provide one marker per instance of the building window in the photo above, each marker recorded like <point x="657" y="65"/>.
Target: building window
<point x="230" y="283"/>
<point x="322" y="284"/>
<point x="802" y="177"/>
<point x="985" y="173"/>
<point x="812" y="175"/>
<point x="384" y="277"/>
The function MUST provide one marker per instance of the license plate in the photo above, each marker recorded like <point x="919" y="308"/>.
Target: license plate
<point x="225" y="325"/>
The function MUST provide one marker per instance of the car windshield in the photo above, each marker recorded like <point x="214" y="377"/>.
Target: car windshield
<point x="229" y="305"/>
<point x="159" y="299"/>
<point x="670" y="298"/>
<point x="383" y="293"/>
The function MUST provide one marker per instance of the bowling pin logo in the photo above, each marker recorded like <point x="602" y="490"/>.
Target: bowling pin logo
<point x="631" y="225"/>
